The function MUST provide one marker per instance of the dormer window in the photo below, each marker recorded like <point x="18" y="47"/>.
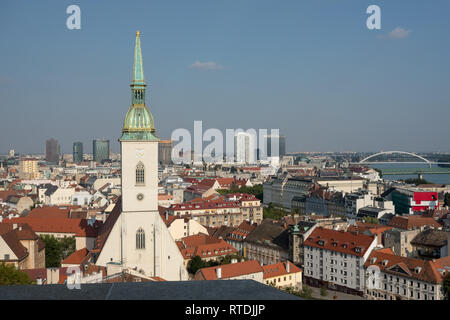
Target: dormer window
<point x="417" y="269"/>
<point x="373" y="260"/>
<point x="384" y="262"/>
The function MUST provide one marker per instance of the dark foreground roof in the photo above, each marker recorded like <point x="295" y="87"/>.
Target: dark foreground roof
<point x="169" y="290"/>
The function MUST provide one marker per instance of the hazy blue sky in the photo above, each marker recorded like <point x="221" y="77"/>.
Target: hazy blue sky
<point x="310" y="68"/>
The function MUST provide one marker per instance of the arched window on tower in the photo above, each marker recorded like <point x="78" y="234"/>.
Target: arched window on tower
<point x="140" y="174"/>
<point x="140" y="239"/>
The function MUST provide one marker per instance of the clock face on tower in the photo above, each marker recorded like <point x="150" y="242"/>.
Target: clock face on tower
<point x="139" y="153"/>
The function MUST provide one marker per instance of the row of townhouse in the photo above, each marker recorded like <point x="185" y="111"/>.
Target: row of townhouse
<point x="280" y="275"/>
<point x="220" y="212"/>
<point x="356" y="263"/>
<point x="391" y="277"/>
<point x="21" y="246"/>
<point x="336" y="259"/>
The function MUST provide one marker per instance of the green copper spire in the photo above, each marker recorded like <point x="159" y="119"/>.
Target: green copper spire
<point x="138" y="69"/>
<point x="138" y="124"/>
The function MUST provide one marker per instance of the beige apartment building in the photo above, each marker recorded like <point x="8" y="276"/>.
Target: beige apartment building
<point x="283" y="275"/>
<point x="251" y="207"/>
<point x="210" y="214"/>
<point x="28" y="169"/>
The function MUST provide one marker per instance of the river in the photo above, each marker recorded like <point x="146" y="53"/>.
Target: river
<point x="434" y="178"/>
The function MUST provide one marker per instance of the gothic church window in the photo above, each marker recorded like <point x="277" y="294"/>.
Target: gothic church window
<point x="140" y="239"/>
<point x="140" y="174"/>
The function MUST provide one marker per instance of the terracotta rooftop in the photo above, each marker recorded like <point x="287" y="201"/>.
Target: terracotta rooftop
<point x="106" y="228"/>
<point x="47" y="212"/>
<point x="78" y="257"/>
<point x="78" y="227"/>
<point x="232" y="270"/>
<point x="339" y="241"/>
<point x="13" y="242"/>
<point x="204" y="246"/>
<point x="422" y="270"/>
<point x="279" y="269"/>
<point x="412" y="222"/>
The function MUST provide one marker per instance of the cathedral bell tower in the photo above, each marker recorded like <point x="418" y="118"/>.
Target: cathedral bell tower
<point x="139" y="147"/>
<point x="138" y="239"/>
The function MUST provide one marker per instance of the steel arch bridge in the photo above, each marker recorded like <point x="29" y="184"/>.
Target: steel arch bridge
<point x="395" y="152"/>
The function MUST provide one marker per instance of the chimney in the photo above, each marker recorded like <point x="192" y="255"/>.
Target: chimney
<point x="233" y="260"/>
<point x="219" y="273"/>
<point x="52" y="275"/>
<point x="167" y="215"/>
<point x="288" y="269"/>
<point x="14" y="226"/>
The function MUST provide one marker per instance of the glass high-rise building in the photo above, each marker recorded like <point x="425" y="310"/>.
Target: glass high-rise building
<point x="281" y="145"/>
<point x="244" y="148"/>
<point x="52" y="151"/>
<point x="165" y="152"/>
<point x="100" y="150"/>
<point x="77" y="152"/>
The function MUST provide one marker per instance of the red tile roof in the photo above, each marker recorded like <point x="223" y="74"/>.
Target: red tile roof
<point x="216" y="204"/>
<point x="47" y="212"/>
<point x="231" y="270"/>
<point x="412" y="222"/>
<point x="34" y="274"/>
<point x="78" y="227"/>
<point x="279" y="269"/>
<point x="106" y="228"/>
<point x="422" y="270"/>
<point x="13" y="242"/>
<point x="377" y="229"/>
<point x="204" y="246"/>
<point x="78" y="257"/>
<point x="339" y="241"/>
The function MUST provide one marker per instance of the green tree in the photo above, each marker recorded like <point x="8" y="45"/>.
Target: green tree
<point x="446" y="286"/>
<point x="306" y="292"/>
<point x="447" y="199"/>
<point x="227" y="259"/>
<point x="9" y="275"/>
<point x="371" y="220"/>
<point x="323" y="291"/>
<point x="57" y="250"/>
<point x="67" y="246"/>
<point x="271" y="212"/>
<point x="417" y="181"/>
<point x="195" y="264"/>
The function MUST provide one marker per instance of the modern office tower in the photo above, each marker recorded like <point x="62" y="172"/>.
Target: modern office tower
<point x="52" y="151"/>
<point x="165" y="152"/>
<point x="77" y="152"/>
<point x="100" y="150"/>
<point x="244" y="148"/>
<point x="281" y="145"/>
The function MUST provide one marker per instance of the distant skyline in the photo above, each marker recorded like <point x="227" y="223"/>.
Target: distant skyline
<point x="311" y="69"/>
